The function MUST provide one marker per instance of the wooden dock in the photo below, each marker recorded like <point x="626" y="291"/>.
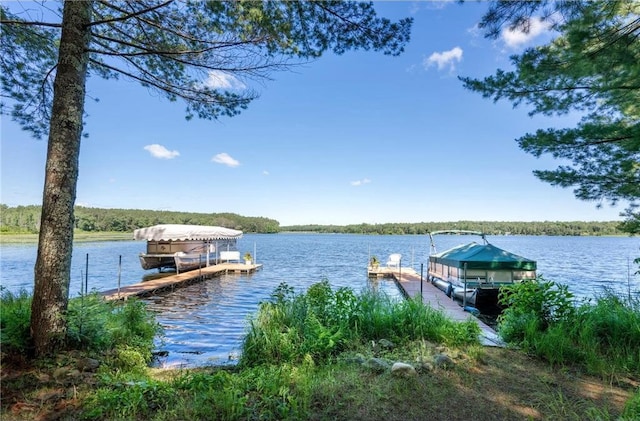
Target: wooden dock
<point x="408" y="280"/>
<point x="177" y="280"/>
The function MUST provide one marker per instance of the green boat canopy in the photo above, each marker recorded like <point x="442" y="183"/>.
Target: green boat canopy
<point x="482" y="256"/>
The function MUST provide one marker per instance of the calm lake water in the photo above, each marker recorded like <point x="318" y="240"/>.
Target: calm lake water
<point x="204" y="323"/>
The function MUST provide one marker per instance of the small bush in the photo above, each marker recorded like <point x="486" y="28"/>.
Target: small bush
<point x="322" y="323"/>
<point x="15" y="318"/>
<point x="603" y="336"/>
<point x="632" y="407"/>
<point x="130" y="401"/>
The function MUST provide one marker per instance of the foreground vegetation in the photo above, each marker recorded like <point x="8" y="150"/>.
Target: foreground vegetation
<point x="26" y="220"/>
<point x="328" y="354"/>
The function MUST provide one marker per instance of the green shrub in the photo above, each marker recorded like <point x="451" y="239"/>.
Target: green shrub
<point x="131" y="324"/>
<point x="632" y="407"/>
<point x="15" y="318"/>
<point x="92" y="324"/>
<point x="547" y="301"/>
<point x="322" y="323"/>
<point x="603" y="336"/>
<point x="129" y="401"/>
<point x="87" y="319"/>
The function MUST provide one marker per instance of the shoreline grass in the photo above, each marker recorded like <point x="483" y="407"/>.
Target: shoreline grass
<point x="318" y="355"/>
<point x="78" y="236"/>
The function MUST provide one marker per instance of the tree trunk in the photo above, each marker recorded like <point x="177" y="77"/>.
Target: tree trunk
<point x="55" y="244"/>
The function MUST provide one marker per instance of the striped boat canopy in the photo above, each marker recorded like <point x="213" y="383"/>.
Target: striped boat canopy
<point x="175" y="232"/>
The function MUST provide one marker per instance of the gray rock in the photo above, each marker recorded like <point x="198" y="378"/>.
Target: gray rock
<point x="377" y="364"/>
<point x="386" y="344"/>
<point x="443" y="361"/>
<point x="88" y="364"/>
<point x="403" y="370"/>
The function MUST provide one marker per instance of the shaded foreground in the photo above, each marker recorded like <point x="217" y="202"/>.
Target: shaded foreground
<point x="499" y="384"/>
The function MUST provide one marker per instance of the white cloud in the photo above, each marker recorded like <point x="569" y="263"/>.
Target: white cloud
<point x="516" y="38"/>
<point x="224" y="159"/>
<point x="160" y="152"/>
<point x="265" y="172"/>
<point x="221" y="80"/>
<point x="444" y="59"/>
<point x="360" y="182"/>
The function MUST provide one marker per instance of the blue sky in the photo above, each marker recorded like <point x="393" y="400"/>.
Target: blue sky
<point x="357" y="138"/>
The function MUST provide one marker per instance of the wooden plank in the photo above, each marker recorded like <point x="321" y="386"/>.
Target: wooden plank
<point x="177" y="280"/>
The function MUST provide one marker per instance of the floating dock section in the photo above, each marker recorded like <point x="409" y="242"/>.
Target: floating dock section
<point x="411" y="285"/>
<point x="170" y="282"/>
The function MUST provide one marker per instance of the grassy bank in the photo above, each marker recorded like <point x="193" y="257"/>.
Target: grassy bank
<point x="80" y="236"/>
<point x="319" y="355"/>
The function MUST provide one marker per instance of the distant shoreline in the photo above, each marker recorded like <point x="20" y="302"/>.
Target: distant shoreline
<point x="126" y="236"/>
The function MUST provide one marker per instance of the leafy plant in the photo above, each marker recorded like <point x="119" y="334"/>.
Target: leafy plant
<point x="14" y="321"/>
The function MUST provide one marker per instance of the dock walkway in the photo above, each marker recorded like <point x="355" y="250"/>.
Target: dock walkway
<point x="178" y="280"/>
<point x="409" y="282"/>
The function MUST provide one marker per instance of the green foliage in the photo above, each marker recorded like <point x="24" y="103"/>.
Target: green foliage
<point x="322" y="323"/>
<point x="632" y="408"/>
<point x="546" y="301"/>
<point x="218" y="395"/>
<point x="26" y="219"/>
<point x="15" y="316"/>
<point x="132" y="325"/>
<point x="592" y="68"/>
<point x="173" y="43"/>
<point x="130" y="401"/>
<point x="488" y="227"/>
<point x="604" y="336"/>
<point x="100" y="325"/>
<point x="93" y="324"/>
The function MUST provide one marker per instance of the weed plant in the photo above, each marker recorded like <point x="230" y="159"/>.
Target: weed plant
<point x="14" y="321"/>
<point x="323" y="323"/>
<point x="601" y="335"/>
<point x="93" y="324"/>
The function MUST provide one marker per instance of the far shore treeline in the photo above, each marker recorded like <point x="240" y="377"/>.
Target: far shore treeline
<point x="26" y="220"/>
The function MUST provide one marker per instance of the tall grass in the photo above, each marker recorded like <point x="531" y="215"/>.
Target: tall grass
<point x="15" y="315"/>
<point x="93" y="324"/>
<point x="321" y="323"/>
<point x="602" y="335"/>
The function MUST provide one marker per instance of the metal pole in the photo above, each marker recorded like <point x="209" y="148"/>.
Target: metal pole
<point x="86" y="276"/>
<point x="464" y="293"/>
<point x="421" y="269"/>
<point x="119" y="274"/>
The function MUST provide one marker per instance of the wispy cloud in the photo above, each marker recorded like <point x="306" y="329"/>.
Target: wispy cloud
<point x="160" y="152"/>
<point x="445" y="59"/>
<point x="516" y="37"/>
<point x="265" y="172"/>
<point x="360" y="182"/>
<point x="225" y="159"/>
<point x="222" y="80"/>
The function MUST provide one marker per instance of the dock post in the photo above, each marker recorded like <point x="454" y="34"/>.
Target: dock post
<point x="464" y="293"/>
<point x="119" y="274"/>
<point x="86" y="275"/>
<point x="421" y="268"/>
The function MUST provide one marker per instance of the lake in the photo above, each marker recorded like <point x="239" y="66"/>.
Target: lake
<point x="204" y="323"/>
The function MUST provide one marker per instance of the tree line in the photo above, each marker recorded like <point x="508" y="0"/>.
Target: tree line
<point x="488" y="227"/>
<point x="26" y="219"/>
